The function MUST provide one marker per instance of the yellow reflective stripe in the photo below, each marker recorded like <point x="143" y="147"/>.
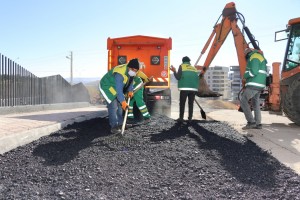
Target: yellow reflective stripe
<point x="142" y="75"/>
<point x="187" y="67"/>
<point x="142" y="107"/>
<point x="190" y="89"/>
<point x="112" y="90"/>
<point x="141" y="83"/>
<point x="263" y="72"/>
<point x="104" y="95"/>
<point x="257" y="56"/>
<point x="256" y="84"/>
<point x="250" y="74"/>
<point x="145" y="114"/>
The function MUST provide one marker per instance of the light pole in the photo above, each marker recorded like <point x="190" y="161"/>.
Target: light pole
<point x="71" y="70"/>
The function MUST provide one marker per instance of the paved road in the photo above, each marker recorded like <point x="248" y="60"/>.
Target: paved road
<point x="279" y="136"/>
<point x="21" y="128"/>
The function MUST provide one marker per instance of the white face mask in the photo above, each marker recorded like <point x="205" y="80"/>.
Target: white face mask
<point x="131" y="73"/>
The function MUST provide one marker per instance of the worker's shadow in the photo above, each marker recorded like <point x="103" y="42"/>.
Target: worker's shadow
<point x="176" y="131"/>
<point x="239" y="156"/>
<point x="64" y="145"/>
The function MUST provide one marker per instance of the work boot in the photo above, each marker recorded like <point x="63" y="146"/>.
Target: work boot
<point x="130" y="121"/>
<point x="258" y="126"/>
<point x="115" y="130"/>
<point x="147" y="120"/>
<point x="249" y="126"/>
<point x="180" y="120"/>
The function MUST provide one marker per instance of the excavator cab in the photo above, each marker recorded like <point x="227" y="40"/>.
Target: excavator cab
<point x="292" y="56"/>
<point x="289" y="82"/>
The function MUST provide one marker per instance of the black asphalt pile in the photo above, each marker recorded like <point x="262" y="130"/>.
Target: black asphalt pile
<point x="159" y="160"/>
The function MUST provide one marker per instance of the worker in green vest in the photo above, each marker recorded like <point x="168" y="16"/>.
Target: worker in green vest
<point x="112" y="87"/>
<point x="138" y="87"/>
<point x="255" y="81"/>
<point x="188" y="82"/>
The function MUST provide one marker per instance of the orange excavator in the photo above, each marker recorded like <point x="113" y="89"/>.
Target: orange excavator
<point x="283" y="93"/>
<point x="228" y="23"/>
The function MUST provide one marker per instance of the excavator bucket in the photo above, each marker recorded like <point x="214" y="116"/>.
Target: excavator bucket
<point x="204" y="90"/>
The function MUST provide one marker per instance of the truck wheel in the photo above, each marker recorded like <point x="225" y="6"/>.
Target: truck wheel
<point x="290" y="102"/>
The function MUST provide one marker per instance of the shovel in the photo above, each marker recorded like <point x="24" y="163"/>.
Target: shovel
<point x="125" y="118"/>
<point x="203" y="114"/>
<point x="128" y="101"/>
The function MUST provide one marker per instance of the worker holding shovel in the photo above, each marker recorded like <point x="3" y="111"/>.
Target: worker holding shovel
<point x="112" y="87"/>
<point x="188" y="82"/>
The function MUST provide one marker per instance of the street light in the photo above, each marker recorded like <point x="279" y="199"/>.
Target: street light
<point x="71" y="70"/>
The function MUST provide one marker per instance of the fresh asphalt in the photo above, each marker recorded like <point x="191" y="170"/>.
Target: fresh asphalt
<point x="279" y="136"/>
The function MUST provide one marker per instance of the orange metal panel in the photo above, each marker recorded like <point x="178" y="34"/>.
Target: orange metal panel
<point x="292" y="72"/>
<point x="274" y="89"/>
<point x="294" y="21"/>
<point x="143" y="48"/>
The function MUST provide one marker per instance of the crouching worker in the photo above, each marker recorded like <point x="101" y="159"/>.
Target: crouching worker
<point x="112" y="85"/>
<point x="138" y="98"/>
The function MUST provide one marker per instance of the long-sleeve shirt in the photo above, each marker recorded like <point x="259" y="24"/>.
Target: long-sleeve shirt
<point x="178" y="73"/>
<point x="120" y="86"/>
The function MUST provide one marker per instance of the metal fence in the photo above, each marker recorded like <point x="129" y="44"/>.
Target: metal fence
<point x="19" y="87"/>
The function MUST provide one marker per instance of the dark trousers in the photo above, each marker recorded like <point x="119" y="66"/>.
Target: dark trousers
<point x="182" y="99"/>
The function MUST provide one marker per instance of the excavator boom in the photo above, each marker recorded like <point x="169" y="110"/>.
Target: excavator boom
<point x="230" y="18"/>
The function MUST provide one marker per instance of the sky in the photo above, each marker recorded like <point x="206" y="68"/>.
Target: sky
<point x="40" y="34"/>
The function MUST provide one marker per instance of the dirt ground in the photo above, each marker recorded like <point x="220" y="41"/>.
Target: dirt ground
<point x="220" y="104"/>
<point x="159" y="160"/>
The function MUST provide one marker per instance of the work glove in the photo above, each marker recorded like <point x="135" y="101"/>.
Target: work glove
<point x="124" y="105"/>
<point x="172" y="68"/>
<point x="150" y="79"/>
<point x="130" y="94"/>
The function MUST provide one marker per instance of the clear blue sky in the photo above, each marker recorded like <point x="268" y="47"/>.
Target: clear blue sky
<point x="39" y="34"/>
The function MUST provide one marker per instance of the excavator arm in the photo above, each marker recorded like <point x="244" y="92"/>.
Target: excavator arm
<point x="219" y="34"/>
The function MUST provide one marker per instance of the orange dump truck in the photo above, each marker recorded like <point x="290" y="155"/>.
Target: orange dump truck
<point x="154" y="55"/>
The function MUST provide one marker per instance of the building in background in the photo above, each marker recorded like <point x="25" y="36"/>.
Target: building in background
<point x="236" y="81"/>
<point x="218" y="80"/>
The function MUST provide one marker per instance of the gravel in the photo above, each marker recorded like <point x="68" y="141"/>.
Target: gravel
<point x="159" y="160"/>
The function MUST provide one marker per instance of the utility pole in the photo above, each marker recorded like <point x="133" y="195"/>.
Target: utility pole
<point x="71" y="70"/>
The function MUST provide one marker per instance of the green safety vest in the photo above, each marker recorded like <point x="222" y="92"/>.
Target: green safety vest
<point x="256" y="71"/>
<point x="107" y="84"/>
<point x="189" y="78"/>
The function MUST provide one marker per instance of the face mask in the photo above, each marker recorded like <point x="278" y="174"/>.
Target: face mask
<point x="131" y="73"/>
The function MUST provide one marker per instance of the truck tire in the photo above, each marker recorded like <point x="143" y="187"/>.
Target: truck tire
<point x="290" y="102"/>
